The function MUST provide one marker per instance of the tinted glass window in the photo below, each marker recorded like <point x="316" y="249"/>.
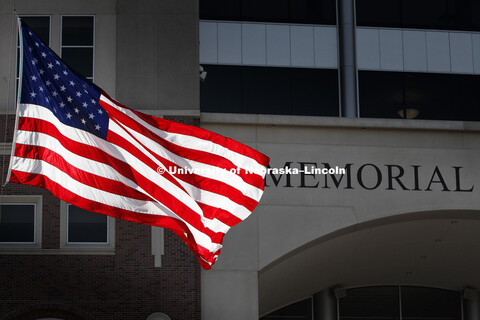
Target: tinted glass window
<point x="287" y="11"/>
<point x="77" y="31"/>
<point x="370" y="303"/>
<point x="419" y="96"/>
<point x="39" y="25"/>
<point x="265" y="90"/>
<point x="17" y="223"/>
<point x="86" y="226"/>
<point x="425" y="14"/>
<point x="301" y="310"/>
<point x="430" y="303"/>
<point x="416" y="303"/>
<point x="378" y="13"/>
<point x="78" y="44"/>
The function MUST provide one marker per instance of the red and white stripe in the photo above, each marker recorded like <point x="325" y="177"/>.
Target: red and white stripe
<point x="119" y="177"/>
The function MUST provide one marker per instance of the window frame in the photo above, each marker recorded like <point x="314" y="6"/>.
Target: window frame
<point x="36" y="201"/>
<point x="92" y="78"/>
<point x="85" y="247"/>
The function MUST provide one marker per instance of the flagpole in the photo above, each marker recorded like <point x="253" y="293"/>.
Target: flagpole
<point x="19" y="92"/>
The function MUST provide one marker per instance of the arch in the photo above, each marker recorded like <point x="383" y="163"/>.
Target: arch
<point x="417" y="248"/>
<point x="49" y="311"/>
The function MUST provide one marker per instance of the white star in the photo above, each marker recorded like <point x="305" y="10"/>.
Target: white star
<point x="30" y="48"/>
<point x="57" y="62"/>
<point x="69" y="99"/>
<point x="40" y="88"/>
<point x="46" y="99"/>
<point x="48" y="82"/>
<point x="29" y="33"/>
<point x="62" y="104"/>
<point x="65" y="72"/>
<point x="72" y="83"/>
<point x="79" y="94"/>
<point x="54" y="93"/>
<point x="100" y="111"/>
<point x="62" y="88"/>
<point x="34" y="61"/>
<point x="36" y="43"/>
<point x="93" y="101"/>
<point x="84" y="105"/>
<point x="44" y="54"/>
<point x="83" y="121"/>
<point x="91" y="116"/>
<point x="76" y="110"/>
<point x="85" y="90"/>
<point x="69" y="115"/>
<point x="33" y="94"/>
<point x="50" y="65"/>
<point x="34" y="78"/>
<point x="97" y="127"/>
<point x="56" y="77"/>
<point x="41" y="71"/>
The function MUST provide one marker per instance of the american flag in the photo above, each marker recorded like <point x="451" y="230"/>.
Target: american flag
<point x="88" y="150"/>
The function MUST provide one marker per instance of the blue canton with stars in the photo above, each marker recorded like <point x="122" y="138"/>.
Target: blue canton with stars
<point x="48" y="82"/>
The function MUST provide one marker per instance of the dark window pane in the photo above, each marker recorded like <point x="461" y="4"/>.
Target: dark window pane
<point x="301" y="310"/>
<point x="422" y="95"/>
<point x="378" y="13"/>
<point x="293" y="11"/>
<point x="465" y="97"/>
<point x="381" y="94"/>
<point x="425" y="14"/>
<point x="315" y="93"/>
<point x="17" y="223"/>
<point x="79" y="59"/>
<point x="430" y="303"/>
<point x="220" y="9"/>
<point x="265" y="10"/>
<point x="41" y="27"/>
<point x="464" y="13"/>
<point x="370" y="303"/>
<point x="313" y="11"/>
<point x="222" y="90"/>
<point x="266" y="90"/>
<point x="77" y="31"/>
<point x="431" y="95"/>
<point x="86" y="226"/>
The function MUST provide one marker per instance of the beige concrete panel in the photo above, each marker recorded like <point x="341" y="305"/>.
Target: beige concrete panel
<point x="174" y="6"/>
<point x="248" y="135"/>
<point x="144" y="6"/>
<point x="178" y="64"/>
<point x="285" y="228"/>
<point x="358" y="137"/>
<point x="240" y="246"/>
<point x="137" y="64"/>
<point x="229" y="295"/>
<point x="63" y="7"/>
<point x="7" y="63"/>
<point x="105" y="53"/>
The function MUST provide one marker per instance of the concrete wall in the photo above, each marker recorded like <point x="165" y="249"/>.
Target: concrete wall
<point x="157" y="54"/>
<point x="435" y="163"/>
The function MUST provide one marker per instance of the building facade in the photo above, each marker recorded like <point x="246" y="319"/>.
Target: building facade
<point x="384" y="94"/>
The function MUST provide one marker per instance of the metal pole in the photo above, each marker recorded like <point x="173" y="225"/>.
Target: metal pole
<point x="348" y="66"/>
<point x="324" y="305"/>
